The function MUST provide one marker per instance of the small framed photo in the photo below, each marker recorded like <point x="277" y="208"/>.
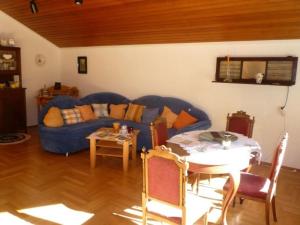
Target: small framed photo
<point x="82" y="64"/>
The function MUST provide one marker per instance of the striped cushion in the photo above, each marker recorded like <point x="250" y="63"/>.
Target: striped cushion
<point x="134" y="112"/>
<point x="117" y="111"/>
<point x="71" y="116"/>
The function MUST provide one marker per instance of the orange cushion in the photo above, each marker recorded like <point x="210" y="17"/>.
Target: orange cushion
<point x="86" y="112"/>
<point x="169" y="116"/>
<point x="184" y="119"/>
<point x="134" y="112"/>
<point x="53" y="118"/>
<point x="117" y="111"/>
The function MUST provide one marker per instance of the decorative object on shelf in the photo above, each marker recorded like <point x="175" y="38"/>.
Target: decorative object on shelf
<point x="228" y="77"/>
<point x="40" y="60"/>
<point x="259" y="78"/>
<point x="3" y="42"/>
<point x="11" y="42"/>
<point x="257" y="70"/>
<point x="82" y="64"/>
<point x="57" y="86"/>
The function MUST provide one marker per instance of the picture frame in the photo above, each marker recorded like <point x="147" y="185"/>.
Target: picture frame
<point x="82" y="64"/>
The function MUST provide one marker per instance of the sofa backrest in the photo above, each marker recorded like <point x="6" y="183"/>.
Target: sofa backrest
<point x="105" y="97"/>
<point x="62" y="102"/>
<point x="67" y="102"/>
<point x="175" y="104"/>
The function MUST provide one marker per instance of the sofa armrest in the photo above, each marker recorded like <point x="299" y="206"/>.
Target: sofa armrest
<point x="201" y="125"/>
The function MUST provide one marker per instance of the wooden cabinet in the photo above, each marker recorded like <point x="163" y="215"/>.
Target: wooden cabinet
<point x="12" y="95"/>
<point x="12" y="110"/>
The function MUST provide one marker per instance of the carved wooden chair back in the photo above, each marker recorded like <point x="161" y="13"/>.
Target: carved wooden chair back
<point x="164" y="180"/>
<point x="159" y="132"/>
<point x="240" y="122"/>
<point x="276" y="165"/>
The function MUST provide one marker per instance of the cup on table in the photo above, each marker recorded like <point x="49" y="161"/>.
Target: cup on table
<point x="116" y="126"/>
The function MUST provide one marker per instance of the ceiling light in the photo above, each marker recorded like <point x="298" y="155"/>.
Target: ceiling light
<point x="78" y="2"/>
<point x="33" y="7"/>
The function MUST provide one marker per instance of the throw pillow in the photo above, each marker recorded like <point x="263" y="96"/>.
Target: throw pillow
<point x="169" y="116"/>
<point x="53" y="118"/>
<point x="150" y="114"/>
<point x="117" y="111"/>
<point x="86" y="112"/>
<point x="100" y="110"/>
<point x="71" y="116"/>
<point x="134" y="112"/>
<point x="184" y="119"/>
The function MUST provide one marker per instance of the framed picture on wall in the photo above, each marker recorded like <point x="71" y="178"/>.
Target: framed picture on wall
<point x="82" y="64"/>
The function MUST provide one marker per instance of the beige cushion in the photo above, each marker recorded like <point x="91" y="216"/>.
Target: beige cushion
<point x="169" y="116"/>
<point x="53" y="118"/>
<point x="100" y="110"/>
<point x="134" y="112"/>
<point x="86" y="112"/>
<point x="117" y="111"/>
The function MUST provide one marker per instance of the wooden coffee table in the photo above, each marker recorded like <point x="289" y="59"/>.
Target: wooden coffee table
<point x="106" y="142"/>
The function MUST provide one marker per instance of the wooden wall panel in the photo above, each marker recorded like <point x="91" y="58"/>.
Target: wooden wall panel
<point x="114" y="22"/>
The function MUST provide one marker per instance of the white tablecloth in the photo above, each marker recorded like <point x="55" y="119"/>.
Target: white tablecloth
<point x="190" y="142"/>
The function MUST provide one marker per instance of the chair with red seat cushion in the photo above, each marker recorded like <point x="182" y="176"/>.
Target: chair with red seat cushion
<point x="240" y="122"/>
<point x="159" y="132"/>
<point x="263" y="189"/>
<point x="164" y="196"/>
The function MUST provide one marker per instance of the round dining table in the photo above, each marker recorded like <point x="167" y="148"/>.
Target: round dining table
<point x="211" y="157"/>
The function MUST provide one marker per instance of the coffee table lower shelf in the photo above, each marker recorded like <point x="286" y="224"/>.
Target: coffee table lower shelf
<point x="113" y="148"/>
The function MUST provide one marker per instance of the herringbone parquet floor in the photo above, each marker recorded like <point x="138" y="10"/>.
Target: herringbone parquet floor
<point x="38" y="187"/>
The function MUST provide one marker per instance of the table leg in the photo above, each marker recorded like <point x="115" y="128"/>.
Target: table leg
<point x="234" y="182"/>
<point x="93" y="152"/>
<point x="125" y="155"/>
<point x="133" y="152"/>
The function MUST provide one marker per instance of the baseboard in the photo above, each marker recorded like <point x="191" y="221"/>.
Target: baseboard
<point x="284" y="167"/>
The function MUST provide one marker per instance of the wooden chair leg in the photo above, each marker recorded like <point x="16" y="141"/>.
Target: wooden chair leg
<point x="274" y="209"/>
<point x="241" y="201"/>
<point x="144" y="209"/>
<point x="267" y="213"/>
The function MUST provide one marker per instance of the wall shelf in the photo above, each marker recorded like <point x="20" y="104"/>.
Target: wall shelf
<point x="257" y="70"/>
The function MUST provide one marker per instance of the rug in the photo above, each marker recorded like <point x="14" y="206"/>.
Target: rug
<point x="13" y="138"/>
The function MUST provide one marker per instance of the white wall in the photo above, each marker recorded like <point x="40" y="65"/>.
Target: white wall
<point x="187" y="71"/>
<point x="34" y="77"/>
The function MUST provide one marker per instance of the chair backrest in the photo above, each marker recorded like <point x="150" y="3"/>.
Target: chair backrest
<point x="277" y="163"/>
<point x="240" y="122"/>
<point x="278" y="158"/>
<point x="164" y="176"/>
<point x="159" y="132"/>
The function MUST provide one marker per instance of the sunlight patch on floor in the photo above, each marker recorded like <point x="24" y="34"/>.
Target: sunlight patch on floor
<point x="10" y="219"/>
<point x="58" y="213"/>
<point x="135" y="215"/>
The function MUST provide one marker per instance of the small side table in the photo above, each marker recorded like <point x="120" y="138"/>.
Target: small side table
<point x="106" y="142"/>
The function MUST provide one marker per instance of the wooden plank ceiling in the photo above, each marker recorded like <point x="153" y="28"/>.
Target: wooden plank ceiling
<point x="117" y="22"/>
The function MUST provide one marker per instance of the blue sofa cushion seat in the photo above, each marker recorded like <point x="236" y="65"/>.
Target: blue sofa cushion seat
<point x="72" y="138"/>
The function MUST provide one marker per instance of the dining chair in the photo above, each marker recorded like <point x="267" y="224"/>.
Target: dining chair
<point x="164" y="196"/>
<point x="260" y="188"/>
<point x="159" y="132"/>
<point x="240" y="122"/>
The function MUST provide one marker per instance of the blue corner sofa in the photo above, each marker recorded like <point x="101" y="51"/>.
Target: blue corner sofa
<point x="72" y="138"/>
